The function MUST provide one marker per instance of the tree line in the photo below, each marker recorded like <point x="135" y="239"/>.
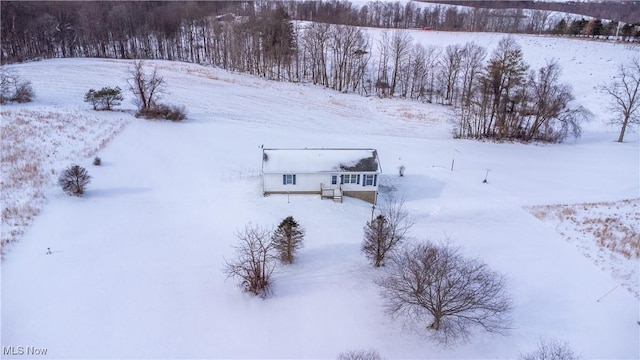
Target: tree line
<point x="625" y="11"/>
<point x="498" y="97"/>
<point x="200" y="31"/>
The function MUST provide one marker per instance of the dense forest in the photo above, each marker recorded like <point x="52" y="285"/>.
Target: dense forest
<point x="497" y="96"/>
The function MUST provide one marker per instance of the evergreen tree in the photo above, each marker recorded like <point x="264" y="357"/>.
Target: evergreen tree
<point x="105" y="98"/>
<point x="598" y="28"/>
<point x="287" y="239"/>
<point x="577" y="26"/>
<point x="74" y="180"/>
<point x="561" y="27"/>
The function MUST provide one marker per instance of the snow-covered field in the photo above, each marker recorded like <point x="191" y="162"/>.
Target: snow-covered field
<point x="136" y="269"/>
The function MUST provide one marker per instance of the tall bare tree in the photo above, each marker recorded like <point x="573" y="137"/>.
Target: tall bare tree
<point x="473" y="56"/>
<point x="450" y="65"/>
<point x="146" y="87"/>
<point x="624" y="90"/>
<point x="400" y="50"/>
<point x="315" y="42"/>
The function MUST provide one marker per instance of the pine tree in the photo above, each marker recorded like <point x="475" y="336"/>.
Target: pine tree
<point x="287" y="239"/>
<point x="74" y="180"/>
<point x="105" y="98"/>
<point x="561" y="27"/>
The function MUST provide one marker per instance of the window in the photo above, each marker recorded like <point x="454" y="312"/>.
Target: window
<point x="350" y="179"/>
<point x="288" y="179"/>
<point x="334" y="179"/>
<point x="369" y="180"/>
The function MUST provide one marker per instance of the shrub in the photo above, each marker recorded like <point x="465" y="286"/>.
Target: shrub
<point x="97" y="161"/>
<point x="105" y="98"/>
<point x="162" y="111"/>
<point x="550" y="350"/>
<point x="74" y="180"/>
<point x="360" y="355"/>
<point x="254" y="262"/>
<point x="14" y="89"/>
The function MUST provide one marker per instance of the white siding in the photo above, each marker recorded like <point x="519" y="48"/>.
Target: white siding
<point x="304" y="183"/>
<point x="310" y="183"/>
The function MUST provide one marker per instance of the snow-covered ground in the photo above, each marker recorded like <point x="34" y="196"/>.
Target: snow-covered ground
<point x="136" y="269"/>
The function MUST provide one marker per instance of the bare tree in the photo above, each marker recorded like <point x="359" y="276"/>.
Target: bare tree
<point x="473" y="56"/>
<point x="386" y="231"/>
<point x="377" y="236"/>
<point x="625" y="92"/>
<point x="549" y="114"/>
<point x="550" y="350"/>
<point x="384" y="51"/>
<point x="287" y="239"/>
<point x="450" y="66"/>
<point x="146" y="87"/>
<point x="346" y="45"/>
<point x="74" y="180"/>
<point x="400" y="51"/>
<point x="315" y="42"/>
<point x="393" y="209"/>
<point x="445" y="293"/>
<point x="254" y="262"/>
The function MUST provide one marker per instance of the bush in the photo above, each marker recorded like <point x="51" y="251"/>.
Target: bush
<point x="105" y="98"/>
<point x="550" y="350"/>
<point x="14" y="89"/>
<point x="360" y="355"/>
<point x="165" y="112"/>
<point x="74" y="180"/>
<point x="254" y="262"/>
<point x="97" y="161"/>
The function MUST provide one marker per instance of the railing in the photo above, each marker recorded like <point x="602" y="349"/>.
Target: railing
<point x="331" y="192"/>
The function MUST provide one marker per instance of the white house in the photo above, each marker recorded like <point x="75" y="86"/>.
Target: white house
<point x="331" y="173"/>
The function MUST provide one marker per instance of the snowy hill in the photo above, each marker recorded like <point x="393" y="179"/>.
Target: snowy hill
<point x="136" y="269"/>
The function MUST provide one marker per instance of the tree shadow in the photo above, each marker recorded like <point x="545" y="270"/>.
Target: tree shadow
<point x="113" y="192"/>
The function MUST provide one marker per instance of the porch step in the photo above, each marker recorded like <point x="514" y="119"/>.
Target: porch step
<point x="337" y="198"/>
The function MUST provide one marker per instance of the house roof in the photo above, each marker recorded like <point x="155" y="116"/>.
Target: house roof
<point x="314" y="160"/>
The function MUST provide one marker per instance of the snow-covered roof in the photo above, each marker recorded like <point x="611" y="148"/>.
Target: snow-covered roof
<point x="314" y="160"/>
